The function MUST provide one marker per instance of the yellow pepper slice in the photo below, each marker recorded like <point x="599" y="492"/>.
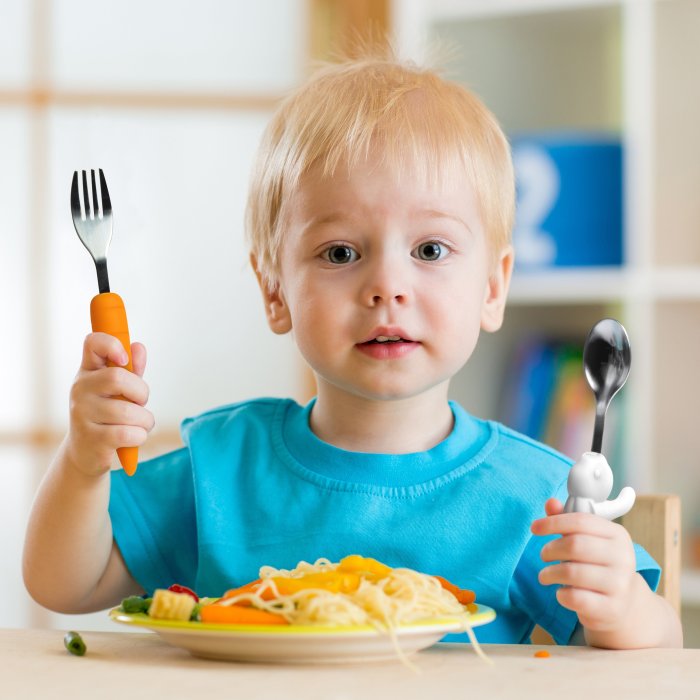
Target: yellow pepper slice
<point x="333" y="581"/>
<point x="363" y="566"/>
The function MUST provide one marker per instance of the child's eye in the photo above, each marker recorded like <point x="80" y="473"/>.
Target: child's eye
<point x="431" y="251"/>
<point x="340" y="254"/>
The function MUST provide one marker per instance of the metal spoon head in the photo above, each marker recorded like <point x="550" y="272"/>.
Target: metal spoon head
<point x="606" y="359"/>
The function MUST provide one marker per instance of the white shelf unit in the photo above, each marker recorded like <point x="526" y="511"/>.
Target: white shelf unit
<point x="626" y="66"/>
<point x="690" y="587"/>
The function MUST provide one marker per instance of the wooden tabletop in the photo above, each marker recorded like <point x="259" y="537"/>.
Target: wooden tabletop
<point x="130" y="665"/>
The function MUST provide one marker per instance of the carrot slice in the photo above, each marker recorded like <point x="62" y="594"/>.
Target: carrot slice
<point x="463" y="595"/>
<point x="248" y="588"/>
<point x="239" y="615"/>
<point x="251" y="587"/>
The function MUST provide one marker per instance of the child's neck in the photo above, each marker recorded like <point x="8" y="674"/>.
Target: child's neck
<point x="400" y="426"/>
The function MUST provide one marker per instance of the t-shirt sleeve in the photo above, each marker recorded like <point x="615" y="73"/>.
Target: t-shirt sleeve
<point x="154" y="522"/>
<point x="540" y="602"/>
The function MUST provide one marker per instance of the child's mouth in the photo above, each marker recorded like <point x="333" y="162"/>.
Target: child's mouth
<point x="388" y="339"/>
<point x="387" y="347"/>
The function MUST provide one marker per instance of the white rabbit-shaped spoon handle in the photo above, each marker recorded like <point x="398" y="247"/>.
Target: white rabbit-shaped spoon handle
<point x="590" y="483"/>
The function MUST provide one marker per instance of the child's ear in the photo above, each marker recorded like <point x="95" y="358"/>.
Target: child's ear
<point x="497" y="291"/>
<point x="276" y="309"/>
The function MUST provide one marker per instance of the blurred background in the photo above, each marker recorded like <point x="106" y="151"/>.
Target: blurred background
<point x="169" y="98"/>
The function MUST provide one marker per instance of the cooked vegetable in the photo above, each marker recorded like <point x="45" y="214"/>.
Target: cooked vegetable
<point x="74" y="643"/>
<point x="167" y="605"/>
<point x="177" y="588"/>
<point x="136" y="604"/>
<point x="464" y="596"/>
<point x="332" y="581"/>
<point x="248" y="588"/>
<point x="336" y="581"/>
<point x="239" y="615"/>
<point x="365" y="566"/>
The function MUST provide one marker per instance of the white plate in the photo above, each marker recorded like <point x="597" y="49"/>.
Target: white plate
<point x="300" y="643"/>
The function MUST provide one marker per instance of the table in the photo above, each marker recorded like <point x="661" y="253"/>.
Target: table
<point x="131" y="665"/>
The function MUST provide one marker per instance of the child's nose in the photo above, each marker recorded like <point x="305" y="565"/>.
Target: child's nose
<point x="385" y="283"/>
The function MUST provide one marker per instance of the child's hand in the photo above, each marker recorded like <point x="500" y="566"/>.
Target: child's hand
<point x="100" y="422"/>
<point x="596" y="566"/>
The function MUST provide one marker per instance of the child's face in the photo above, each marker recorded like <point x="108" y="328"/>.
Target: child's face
<point x="367" y="255"/>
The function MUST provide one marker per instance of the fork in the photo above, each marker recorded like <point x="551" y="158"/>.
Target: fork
<point x="107" y="312"/>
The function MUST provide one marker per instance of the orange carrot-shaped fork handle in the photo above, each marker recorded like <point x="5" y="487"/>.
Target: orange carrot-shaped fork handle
<point x="108" y="315"/>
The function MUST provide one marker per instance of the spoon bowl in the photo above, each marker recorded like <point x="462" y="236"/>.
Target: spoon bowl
<point x="606" y="361"/>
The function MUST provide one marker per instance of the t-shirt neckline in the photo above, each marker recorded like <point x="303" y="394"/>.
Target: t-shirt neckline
<point x="463" y="445"/>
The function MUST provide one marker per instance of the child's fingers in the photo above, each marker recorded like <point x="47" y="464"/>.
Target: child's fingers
<point x="113" y="437"/>
<point x="115" y="381"/>
<point x="591" y="577"/>
<point x="582" y="548"/>
<point x="568" y="523"/>
<point x="112" y="423"/>
<point x="138" y="358"/>
<point x="594" y="609"/>
<point x="101" y="348"/>
<point x="119" y="412"/>
<point x="553" y="506"/>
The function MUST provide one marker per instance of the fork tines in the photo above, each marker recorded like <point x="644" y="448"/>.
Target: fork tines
<point x="91" y="207"/>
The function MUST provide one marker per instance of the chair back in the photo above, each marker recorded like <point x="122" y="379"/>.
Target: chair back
<point x="655" y="523"/>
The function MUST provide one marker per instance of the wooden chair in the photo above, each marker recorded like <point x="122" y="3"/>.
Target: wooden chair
<point x="655" y="523"/>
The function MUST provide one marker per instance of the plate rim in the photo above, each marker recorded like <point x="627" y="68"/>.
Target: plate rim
<point x="446" y="623"/>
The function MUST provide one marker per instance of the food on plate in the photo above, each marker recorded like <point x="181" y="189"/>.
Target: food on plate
<point x="136" y="604"/>
<point x="239" y="615"/>
<point x="177" y="588"/>
<point x="354" y="591"/>
<point x="169" y="605"/>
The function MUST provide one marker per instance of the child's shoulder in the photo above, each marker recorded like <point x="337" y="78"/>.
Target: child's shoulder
<point x="259" y="410"/>
<point x="527" y="468"/>
<point x="511" y="441"/>
<point x="521" y="459"/>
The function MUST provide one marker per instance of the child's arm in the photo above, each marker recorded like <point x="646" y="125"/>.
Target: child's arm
<point x="71" y="563"/>
<point x="599" y="582"/>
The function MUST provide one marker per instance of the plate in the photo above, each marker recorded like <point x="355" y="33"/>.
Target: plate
<point x="301" y="643"/>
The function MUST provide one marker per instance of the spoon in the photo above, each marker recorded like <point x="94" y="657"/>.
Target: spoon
<point x="606" y="362"/>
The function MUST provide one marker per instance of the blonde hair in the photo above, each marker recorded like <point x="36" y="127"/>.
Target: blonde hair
<point x="420" y="121"/>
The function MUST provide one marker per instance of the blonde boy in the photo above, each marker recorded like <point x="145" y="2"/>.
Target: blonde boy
<point x="379" y="222"/>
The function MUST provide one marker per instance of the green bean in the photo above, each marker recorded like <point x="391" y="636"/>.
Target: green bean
<point x="135" y="604"/>
<point x="195" y="612"/>
<point x="74" y="643"/>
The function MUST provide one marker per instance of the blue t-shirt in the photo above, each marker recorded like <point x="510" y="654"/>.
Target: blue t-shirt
<point x="254" y="486"/>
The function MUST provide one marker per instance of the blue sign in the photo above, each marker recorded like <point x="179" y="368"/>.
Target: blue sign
<point x="569" y="200"/>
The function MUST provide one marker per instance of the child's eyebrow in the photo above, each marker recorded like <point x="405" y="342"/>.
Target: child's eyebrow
<point x="435" y="214"/>
<point x="330" y="218"/>
<point x="324" y="219"/>
<point x="334" y="217"/>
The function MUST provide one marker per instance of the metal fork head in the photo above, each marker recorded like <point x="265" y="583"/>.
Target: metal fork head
<point x="92" y="223"/>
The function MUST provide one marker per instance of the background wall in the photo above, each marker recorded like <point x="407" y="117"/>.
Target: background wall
<point x="169" y="99"/>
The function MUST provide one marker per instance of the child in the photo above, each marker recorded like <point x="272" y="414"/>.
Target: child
<point x="379" y="221"/>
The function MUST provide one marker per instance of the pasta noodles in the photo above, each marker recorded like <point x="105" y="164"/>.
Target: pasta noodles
<point x="400" y="596"/>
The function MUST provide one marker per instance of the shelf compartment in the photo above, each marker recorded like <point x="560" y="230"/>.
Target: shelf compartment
<point x="507" y="60"/>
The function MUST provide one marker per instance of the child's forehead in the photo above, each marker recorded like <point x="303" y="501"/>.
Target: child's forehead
<point x="400" y="171"/>
<point x="376" y="187"/>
